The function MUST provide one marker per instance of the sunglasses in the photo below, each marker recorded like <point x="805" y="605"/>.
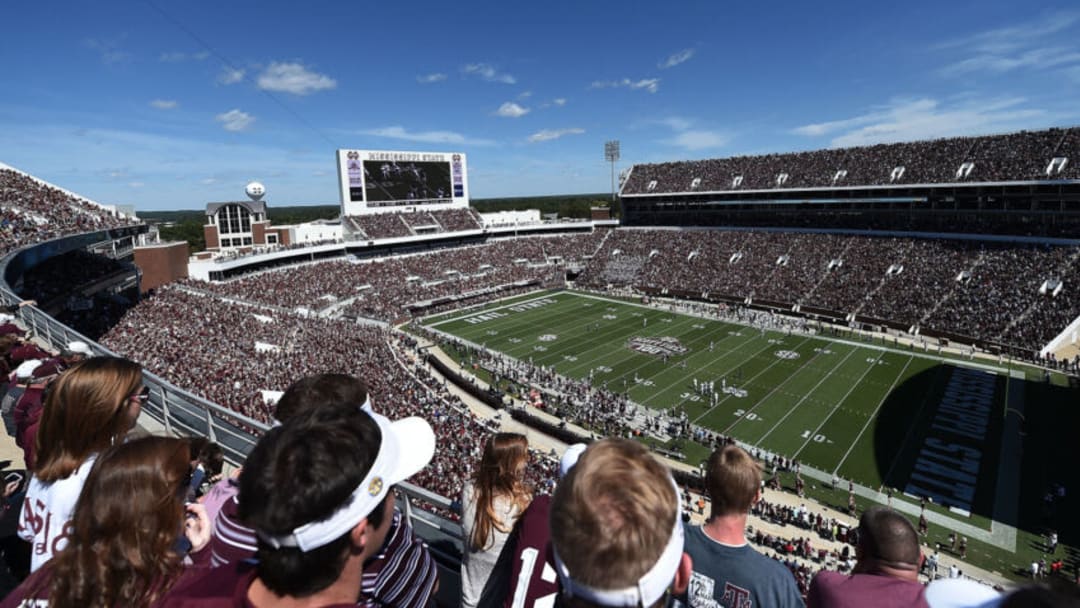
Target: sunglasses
<point x="143" y="395"/>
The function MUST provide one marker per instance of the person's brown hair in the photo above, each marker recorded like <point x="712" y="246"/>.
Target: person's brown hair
<point x="121" y="549"/>
<point x="320" y="390"/>
<point x="85" y="411"/>
<point x="612" y="515"/>
<point x="733" y="479"/>
<point x="499" y="474"/>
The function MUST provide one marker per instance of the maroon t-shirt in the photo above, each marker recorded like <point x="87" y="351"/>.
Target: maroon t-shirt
<point x="224" y="587"/>
<point x="835" y="590"/>
<point x="532" y="570"/>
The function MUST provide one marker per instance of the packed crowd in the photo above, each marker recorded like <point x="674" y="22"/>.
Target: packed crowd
<point x="385" y="288"/>
<point x="1019" y="156"/>
<point x="31" y="212"/>
<point x="986" y="291"/>
<point x="239" y="351"/>
<point x="403" y="224"/>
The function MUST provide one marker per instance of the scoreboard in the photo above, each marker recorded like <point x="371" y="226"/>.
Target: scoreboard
<point x="374" y="181"/>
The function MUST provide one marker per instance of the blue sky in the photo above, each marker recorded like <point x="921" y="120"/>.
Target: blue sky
<point x="172" y="105"/>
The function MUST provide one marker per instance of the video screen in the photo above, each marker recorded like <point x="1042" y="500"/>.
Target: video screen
<point x="396" y="182"/>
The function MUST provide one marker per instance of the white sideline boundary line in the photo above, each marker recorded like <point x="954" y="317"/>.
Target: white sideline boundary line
<point x="873" y="416"/>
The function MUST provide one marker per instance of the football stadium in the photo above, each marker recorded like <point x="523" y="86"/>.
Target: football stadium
<point x="319" y="410"/>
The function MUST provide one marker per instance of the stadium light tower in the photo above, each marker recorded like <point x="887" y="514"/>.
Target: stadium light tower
<point x="611" y="154"/>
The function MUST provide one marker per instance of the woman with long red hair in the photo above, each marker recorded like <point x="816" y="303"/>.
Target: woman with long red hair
<point x="491" y="503"/>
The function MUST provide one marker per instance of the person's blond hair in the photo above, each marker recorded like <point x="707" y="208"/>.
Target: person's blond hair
<point x="733" y="479"/>
<point x="612" y="515"/>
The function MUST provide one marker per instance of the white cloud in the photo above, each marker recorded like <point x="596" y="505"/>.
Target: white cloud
<point x="688" y="138"/>
<point x="235" y="120"/>
<point x="1033" y="59"/>
<point x="559" y="101"/>
<point x="697" y="140"/>
<point x="1035" y="45"/>
<point x="676" y="123"/>
<point x="180" y="56"/>
<point x="925" y="118"/>
<point x="550" y="134"/>
<point x="164" y="104"/>
<point x="430" y="137"/>
<point x="230" y="76"/>
<point x="135" y="184"/>
<point x="1011" y="37"/>
<point x="674" y="60"/>
<point x="293" y="78"/>
<point x="108" y="50"/>
<point x="651" y="85"/>
<point x="511" y="110"/>
<point x="487" y="72"/>
<point x="431" y="78"/>
<point x="524" y="95"/>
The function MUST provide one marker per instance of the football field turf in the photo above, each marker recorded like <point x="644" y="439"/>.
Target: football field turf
<point x="875" y="413"/>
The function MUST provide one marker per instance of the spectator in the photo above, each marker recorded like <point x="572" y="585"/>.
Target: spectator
<point x="727" y="571"/>
<point x="339" y="466"/>
<point x="29" y="408"/>
<point x="121" y="544"/>
<point x="90" y="407"/>
<point x="886" y="571"/>
<point x="527" y="583"/>
<point x="401" y="573"/>
<point x="616" y="529"/>
<point x="491" y="502"/>
<point x="206" y="463"/>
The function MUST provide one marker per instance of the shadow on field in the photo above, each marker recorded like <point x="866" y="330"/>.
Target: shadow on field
<point x="920" y="441"/>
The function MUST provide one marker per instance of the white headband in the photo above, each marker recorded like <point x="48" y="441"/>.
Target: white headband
<point x="394" y="463"/>
<point x="650" y="587"/>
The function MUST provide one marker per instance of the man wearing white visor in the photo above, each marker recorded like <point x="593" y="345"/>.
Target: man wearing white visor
<point x="616" y="529"/>
<point x="318" y="493"/>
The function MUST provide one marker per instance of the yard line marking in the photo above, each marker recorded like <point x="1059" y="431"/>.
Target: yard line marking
<point x="751" y="379"/>
<point x="854" y="385"/>
<point x="873" y="416"/>
<point x="807" y="395"/>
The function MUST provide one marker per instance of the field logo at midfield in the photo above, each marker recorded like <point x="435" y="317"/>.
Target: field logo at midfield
<point x="789" y="355"/>
<point x="657" y="345"/>
<point x="548" y="338"/>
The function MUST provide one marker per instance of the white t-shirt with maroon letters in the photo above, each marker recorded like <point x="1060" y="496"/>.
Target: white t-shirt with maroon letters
<point x="46" y="513"/>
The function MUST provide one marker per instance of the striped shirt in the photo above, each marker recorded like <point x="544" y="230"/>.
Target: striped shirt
<point x="401" y="575"/>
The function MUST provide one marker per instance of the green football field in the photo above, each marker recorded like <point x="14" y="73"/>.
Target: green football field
<point x="878" y="414"/>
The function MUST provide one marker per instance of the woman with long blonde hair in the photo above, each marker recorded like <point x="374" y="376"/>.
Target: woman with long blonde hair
<point x="122" y="545"/>
<point x="89" y="407"/>
<point x="491" y="503"/>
